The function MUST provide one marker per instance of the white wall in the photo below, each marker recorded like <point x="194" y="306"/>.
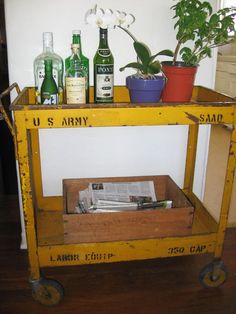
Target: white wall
<point x="126" y="151"/>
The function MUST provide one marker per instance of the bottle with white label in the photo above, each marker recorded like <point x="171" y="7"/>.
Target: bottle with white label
<point x="75" y="79"/>
<point x="39" y="67"/>
<point x="103" y="71"/>
<point x="76" y="39"/>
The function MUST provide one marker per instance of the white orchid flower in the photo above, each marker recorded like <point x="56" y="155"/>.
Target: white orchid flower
<point x="90" y="17"/>
<point x="124" y="19"/>
<point x="109" y="18"/>
<point x="94" y="17"/>
<point x="99" y="17"/>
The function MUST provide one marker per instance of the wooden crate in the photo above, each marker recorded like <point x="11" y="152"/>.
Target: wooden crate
<point x="142" y="224"/>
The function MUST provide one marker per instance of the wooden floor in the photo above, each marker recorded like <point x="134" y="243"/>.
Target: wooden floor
<point x="162" y="286"/>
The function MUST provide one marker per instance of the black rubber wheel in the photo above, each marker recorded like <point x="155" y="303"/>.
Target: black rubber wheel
<point x="213" y="275"/>
<point x="47" y="291"/>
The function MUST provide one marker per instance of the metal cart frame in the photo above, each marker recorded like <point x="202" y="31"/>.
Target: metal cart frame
<point x="207" y="107"/>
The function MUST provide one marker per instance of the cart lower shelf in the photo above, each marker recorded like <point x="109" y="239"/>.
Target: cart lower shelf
<point x="52" y="250"/>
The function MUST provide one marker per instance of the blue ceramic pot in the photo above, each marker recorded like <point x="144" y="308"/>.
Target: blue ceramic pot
<point x="145" y="91"/>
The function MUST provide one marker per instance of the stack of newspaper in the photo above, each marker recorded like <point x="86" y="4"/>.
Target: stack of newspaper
<point x="119" y="196"/>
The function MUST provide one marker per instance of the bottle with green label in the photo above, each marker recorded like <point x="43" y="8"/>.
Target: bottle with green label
<point x="75" y="80"/>
<point x="39" y="67"/>
<point x="76" y="39"/>
<point x="103" y="71"/>
<point x="49" y="90"/>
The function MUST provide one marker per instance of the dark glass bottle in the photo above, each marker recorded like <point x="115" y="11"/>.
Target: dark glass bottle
<point x="49" y="90"/>
<point x="103" y="71"/>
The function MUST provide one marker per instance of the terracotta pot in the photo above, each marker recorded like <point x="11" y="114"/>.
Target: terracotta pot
<point x="180" y="81"/>
<point x="145" y="91"/>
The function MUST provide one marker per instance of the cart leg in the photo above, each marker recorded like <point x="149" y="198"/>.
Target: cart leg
<point x="190" y="158"/>
<point x="26" y="191"/>
<point x="215" y="273"/>
<point x="45" y="291"/>
<point x="228" y="186"/>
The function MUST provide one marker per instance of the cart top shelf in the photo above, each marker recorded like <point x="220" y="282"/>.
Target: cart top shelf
<point x="207" y="107"/>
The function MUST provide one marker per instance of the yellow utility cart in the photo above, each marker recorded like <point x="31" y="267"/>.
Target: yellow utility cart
<point x="43" y="215"/>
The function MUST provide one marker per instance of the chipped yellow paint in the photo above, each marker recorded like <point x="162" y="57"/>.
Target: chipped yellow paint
<point x="191" y="157"/>
<point x="128" y="116"/>
<point x="25" y="180"/>
<point x="107" y="252"/>
<point x="228" y="186"/>
<point x="29" y="118"/>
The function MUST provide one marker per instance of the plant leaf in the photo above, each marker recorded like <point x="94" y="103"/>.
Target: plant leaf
<point x="165" y="52"/>
<point x="195" y="22"/>
<point x="154" y="67"/>
<point x="134" y="65"/>
<point x="143" y="52"/>
<point x="214" y="20"/>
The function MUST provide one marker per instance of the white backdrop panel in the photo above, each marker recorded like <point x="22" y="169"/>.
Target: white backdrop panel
<point x="104" y="152"/>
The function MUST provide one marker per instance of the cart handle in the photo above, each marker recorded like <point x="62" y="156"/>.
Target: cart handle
<point x="2" y="110"/>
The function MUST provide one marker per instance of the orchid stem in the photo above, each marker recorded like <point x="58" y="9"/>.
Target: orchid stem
<point x="128" y="32"/>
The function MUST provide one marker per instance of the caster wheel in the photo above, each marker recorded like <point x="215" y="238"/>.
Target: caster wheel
<point x="47" y="291"/>
<point x="213" y="275"/>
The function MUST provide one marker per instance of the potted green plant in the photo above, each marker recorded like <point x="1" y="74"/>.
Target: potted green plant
<point x="199" y="30"/>
<point x="147" y="83"/>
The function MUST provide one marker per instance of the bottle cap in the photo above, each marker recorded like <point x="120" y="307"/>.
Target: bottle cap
<point x="103" y="30"/>
<point x="76" y="32"/>
<point x="47" y="39"/>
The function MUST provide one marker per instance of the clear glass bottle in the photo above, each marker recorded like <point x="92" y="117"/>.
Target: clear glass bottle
<point x="57" y="66"/>
<point x="49" y="90"/>
<point x="103" y="71"/>
<point x="75" y="79"/>
<point x="76" y="39"/>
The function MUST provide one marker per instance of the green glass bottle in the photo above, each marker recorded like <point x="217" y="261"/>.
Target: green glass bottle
<point x="49" y="90"/>
<point x="103" y="71"/>
<point x="76" y="39"/>
<point x="75" y="78"/>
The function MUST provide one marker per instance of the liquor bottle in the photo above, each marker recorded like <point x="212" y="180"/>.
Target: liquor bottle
<point x="39" y="67"/>
<point x="76" y="39"/>
<point x="103" y="71"/>
<point x="49" y="90"/>
<point x="75" y="78"/>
